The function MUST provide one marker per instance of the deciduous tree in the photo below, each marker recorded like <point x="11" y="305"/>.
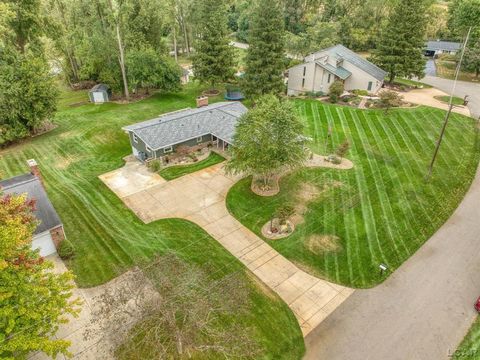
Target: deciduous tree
<point x="34" y="300"/>
<point x="268" y="139"/>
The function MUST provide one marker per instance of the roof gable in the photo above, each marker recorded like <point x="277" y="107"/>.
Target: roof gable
<point x="31" y="185"/>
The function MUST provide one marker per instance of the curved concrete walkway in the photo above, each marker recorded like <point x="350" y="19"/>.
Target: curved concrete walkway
<point x="200" y="198"/>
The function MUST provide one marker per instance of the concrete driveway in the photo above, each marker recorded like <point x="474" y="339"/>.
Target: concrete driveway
<point x="427" y="97"/>
<point x="463" y="88"/>
<point x="200" y="198"/>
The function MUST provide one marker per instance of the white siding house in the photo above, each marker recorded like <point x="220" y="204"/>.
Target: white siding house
<point x="322" y="68"/>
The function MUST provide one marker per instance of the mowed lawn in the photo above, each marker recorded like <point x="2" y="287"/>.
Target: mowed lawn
<point x="382" y="210"/>
<point x="469" y="348"/>
<point x="108" y="238"/>
<point x="177" y="171"/>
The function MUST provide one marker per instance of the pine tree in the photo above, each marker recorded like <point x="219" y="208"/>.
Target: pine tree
<point x="400" y="48"/>
<point x="265" y="56"/>
<point x="214" y="60"/>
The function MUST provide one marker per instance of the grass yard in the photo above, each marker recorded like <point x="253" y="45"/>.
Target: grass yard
<point x="446" y="99"/>
<point x="469" y="348"/>
<point x="107" y="237"/>
<point x="446" y="69"/>
<point x="411" y="83"/>
<point x="381" y="211"/>
<point x="174" y="172"/>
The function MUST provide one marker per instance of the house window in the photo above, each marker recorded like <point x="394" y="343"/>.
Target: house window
<point x="303" y="82"/>
<point x="167" y="150"/>
<point x="135" y="138"/>
<point x="199" y="139"/>
<point x="148" y="149"/>
<point x="369" y="86"/>
<point x="329" y="78"/>
<point x="304" y="70"/>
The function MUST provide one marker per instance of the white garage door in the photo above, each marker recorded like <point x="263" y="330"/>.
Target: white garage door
<point x="45" y="243"/>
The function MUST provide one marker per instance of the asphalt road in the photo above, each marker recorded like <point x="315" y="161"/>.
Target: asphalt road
<point x="424" y="309"/>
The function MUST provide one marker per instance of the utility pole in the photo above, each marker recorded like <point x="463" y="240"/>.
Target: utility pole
<point x="450" y="106"/>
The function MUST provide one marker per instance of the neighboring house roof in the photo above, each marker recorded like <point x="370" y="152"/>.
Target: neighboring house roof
<point x="218" y="119"/>
<point x="339" y="71"/>
<point x="443" y="45"/>
<point x="31" y="185"/>
<point x="340" y="52"/>
<point x="99" y="87"/>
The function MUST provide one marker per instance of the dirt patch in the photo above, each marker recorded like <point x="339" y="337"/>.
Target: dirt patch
<point x="309" y="192"/>
<point x="319" y="244"/>
<point x="297" y="218"/>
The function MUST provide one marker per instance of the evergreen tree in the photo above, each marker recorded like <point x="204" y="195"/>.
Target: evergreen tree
<point x="214" y="60"/>
<point x="265" y="56"/>
<point x="400" y="47"/>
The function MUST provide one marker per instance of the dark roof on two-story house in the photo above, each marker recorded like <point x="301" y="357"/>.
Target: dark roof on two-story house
<point x="31" y="185"/>
<point x="217" y="119"/>
<point x="340" y="53"/>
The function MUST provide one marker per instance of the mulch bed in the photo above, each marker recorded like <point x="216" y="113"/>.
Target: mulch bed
<point x="211" y="92"/>
<point x="272" y="190"/>
<point x="275" y="236"/>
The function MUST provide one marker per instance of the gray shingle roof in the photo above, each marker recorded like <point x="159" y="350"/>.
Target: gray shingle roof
<point x="31" y="185"/>
<point x="341" y="52"/>
<point x="443" y="45"/>
<point x="99" y="87"/>
<point x="218" y="119"/>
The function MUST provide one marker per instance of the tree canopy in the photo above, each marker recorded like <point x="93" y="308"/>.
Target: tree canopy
<point x="265" y="56"/>
<point x="400" y="47"/>
<point x="34" y="299"/>
<point x="268" y="139"/>
<point x="214" y="60"/>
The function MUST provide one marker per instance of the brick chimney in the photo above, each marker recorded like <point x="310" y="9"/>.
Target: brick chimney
<point x="202" y="101"/>
<point x="34" y="169"/>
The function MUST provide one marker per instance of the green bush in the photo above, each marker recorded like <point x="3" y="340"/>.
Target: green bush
<point x="314" y="94"/>
<point x="360" y="92"/>
<point x="336" y="89"/>
<point x="154" y="165"/>
<point x="66" y="250"/>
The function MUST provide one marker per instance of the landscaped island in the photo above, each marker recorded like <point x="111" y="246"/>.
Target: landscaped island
<point x="381" y="211"/>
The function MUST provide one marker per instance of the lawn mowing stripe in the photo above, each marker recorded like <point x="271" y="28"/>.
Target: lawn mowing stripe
<point x="379" y="185"/>
<point x="394" y="179"/>
<point x="382" y="190"/>
<point x="405" y="168"/>
<point x="349" y="219"/>
<point x="366" y="206"/>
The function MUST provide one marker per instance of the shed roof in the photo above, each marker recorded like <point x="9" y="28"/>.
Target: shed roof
<point x="443" y="45"/>
<point x="99" y="87"/>
<point x="340" y="52"/>
<point x="218" y="119"/>
<point x="31" y="185"/>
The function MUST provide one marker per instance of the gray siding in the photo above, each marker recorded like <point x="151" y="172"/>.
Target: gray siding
<point x="141" y="147"/>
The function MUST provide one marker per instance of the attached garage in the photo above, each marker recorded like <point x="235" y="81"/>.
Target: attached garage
<point x="45" y="243"/>
<point x="49" y="232"/>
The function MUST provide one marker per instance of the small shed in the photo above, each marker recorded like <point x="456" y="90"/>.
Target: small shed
<point x="100" y="93"/>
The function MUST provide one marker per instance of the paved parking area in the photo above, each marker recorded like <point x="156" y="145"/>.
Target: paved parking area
<point x="200" y="198"/>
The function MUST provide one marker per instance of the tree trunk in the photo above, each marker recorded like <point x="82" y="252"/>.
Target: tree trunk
<point x="185" y="34"/>
<point x="175" y="43"/>
<point x="121" y="60"/>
